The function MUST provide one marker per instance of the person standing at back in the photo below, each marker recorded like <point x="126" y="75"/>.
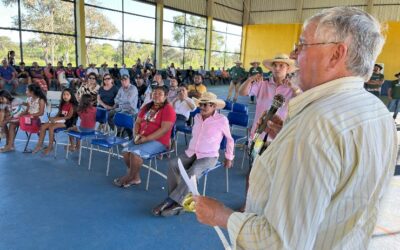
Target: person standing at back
<point x="375" y="81"/>
<point x="254" y="70"/>
<point x="237" y="74"/>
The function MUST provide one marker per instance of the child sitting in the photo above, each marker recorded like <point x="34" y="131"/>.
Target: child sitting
<point x="87" y="115"/>
<point x="10" y="110"/>
<point x="36" y="103"/>
<point x="65" y="118"/>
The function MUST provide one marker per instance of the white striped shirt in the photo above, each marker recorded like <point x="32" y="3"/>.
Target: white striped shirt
<point x="318" y="185"/>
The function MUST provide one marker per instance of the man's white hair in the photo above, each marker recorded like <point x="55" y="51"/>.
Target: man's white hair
<point x="359" y="30"/>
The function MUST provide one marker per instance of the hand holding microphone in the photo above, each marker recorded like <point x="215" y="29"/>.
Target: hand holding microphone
<point x="267" y="116"/>
<point x="273" y="126"/>
<point x="258" y="145"/>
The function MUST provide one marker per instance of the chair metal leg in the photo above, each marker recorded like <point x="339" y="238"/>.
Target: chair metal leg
<point x="148" y="176"/>
<point x="108" y="161"/>
<point x="90" y="156"/>
<point x="176" y="144"/>
<point x="55" y="148"/>
<point x="227" y="179"/>
<point x="80" y="152"/>
<point x="27" y="142"/>
<point x="66" y="154"/>
<point x="205" y="184"/>
<point x="244" y="156"/>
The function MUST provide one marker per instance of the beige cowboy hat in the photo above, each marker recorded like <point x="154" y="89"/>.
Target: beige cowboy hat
<point x="209" y="97"/>
<point x="237" y="62"/>
<point x="255" y="61"/>
<point x="280" y="58"/>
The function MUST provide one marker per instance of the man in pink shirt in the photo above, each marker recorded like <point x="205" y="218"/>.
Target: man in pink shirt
<point x="208" y="131"/>
<point x="265" y="90"/>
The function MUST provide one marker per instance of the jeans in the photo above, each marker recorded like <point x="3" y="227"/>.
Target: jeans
<point x="394" y="106"/>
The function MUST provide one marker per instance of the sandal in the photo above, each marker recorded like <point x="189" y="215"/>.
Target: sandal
<point x="5" y="150"/>
<point x="118" y="183"/>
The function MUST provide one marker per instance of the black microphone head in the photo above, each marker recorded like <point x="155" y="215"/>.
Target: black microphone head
<point x="278" y="101"/>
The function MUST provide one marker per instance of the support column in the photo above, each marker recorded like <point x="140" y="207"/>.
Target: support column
<point x="245" y="23"/>
<point x="210" y="17"/>
<point x="370" y="6"/>
<point x="159" y="33"/>
<point x="81" y="32"/>
<point x="208" y="43"/>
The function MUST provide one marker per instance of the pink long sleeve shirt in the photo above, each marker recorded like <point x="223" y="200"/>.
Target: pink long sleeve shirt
<point x="207" y="135"/>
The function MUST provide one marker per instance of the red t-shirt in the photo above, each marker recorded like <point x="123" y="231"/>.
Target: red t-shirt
<point x="66" y="107"/>
<point x="88" y="117"/>
<point x="165" y="114"/>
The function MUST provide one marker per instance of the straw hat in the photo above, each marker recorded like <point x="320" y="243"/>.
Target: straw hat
<point x="280" y="58"/>
<point x="237" y="62"/>
<point x="255" y="61"/>
<point x="379" y="66"/>
<point x="209" y="97"/>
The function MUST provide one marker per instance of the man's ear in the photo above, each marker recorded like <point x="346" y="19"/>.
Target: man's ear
<point x="339" y="54"/>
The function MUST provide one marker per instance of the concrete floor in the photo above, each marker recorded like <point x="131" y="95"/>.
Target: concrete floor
<point x="54" y="203"/>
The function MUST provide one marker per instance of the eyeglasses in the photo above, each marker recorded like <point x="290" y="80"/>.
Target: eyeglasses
<point x="205" y="104"/>
<point x="92" y="78"/>
<point x="108" y="78"/>
<point x="299" y="46"/>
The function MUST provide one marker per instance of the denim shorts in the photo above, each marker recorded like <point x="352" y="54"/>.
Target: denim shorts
<point x="85" y="130"/>
<point x="146" y="149"/>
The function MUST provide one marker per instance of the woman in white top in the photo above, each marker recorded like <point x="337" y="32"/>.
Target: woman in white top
<point x="183" y="105"/>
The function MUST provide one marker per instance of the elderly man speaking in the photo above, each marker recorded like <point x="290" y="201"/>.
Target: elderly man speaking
<point x="319" y="183"/>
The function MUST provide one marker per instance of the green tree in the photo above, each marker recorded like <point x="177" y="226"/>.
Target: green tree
<point x="57" y="16"/>
<point x="195" y="38"/>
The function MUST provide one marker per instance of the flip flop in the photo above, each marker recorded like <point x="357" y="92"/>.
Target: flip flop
<point x="118" y="183"/>
<point x="5" y="150"/>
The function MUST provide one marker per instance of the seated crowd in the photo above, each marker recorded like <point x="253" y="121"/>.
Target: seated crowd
<point x="156" y="106"/>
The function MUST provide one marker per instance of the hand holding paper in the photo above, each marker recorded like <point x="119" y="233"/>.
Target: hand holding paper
<point x="206" y="209"/>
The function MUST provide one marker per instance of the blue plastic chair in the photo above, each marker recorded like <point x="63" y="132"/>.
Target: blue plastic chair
<point x="56" y="132"/>
<point x="217" y="165"/>
<point x="240" y="120"/>
<point x="153" y="157"/>
<point x="240" y="108"/>
<point x="186" y="130"/>
<point x="101" y="117"/>
<point x="228" y="105"/>
<point x="121" y="120"/>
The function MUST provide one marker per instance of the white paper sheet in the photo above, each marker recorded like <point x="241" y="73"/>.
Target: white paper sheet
<point x="192" y="185"/>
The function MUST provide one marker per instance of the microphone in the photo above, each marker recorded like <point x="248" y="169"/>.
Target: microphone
<point x="276" y="104"/>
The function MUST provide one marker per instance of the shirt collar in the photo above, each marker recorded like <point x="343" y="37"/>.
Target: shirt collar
<point x="297" y="104"/>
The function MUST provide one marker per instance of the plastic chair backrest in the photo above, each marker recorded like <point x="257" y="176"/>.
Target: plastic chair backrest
<point x="53" y="99"/>
<point x="238" y="119"/>
<point x="173" y="131"/>
<point x="228" y="106"/>
<point x="222" y="145"/>
<point x="194" y="112"/>
<point x="192" y="115"/>
<point x="240" y="108"/>
<point x="123" y="120"/>
<point x="101" y="115"/>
